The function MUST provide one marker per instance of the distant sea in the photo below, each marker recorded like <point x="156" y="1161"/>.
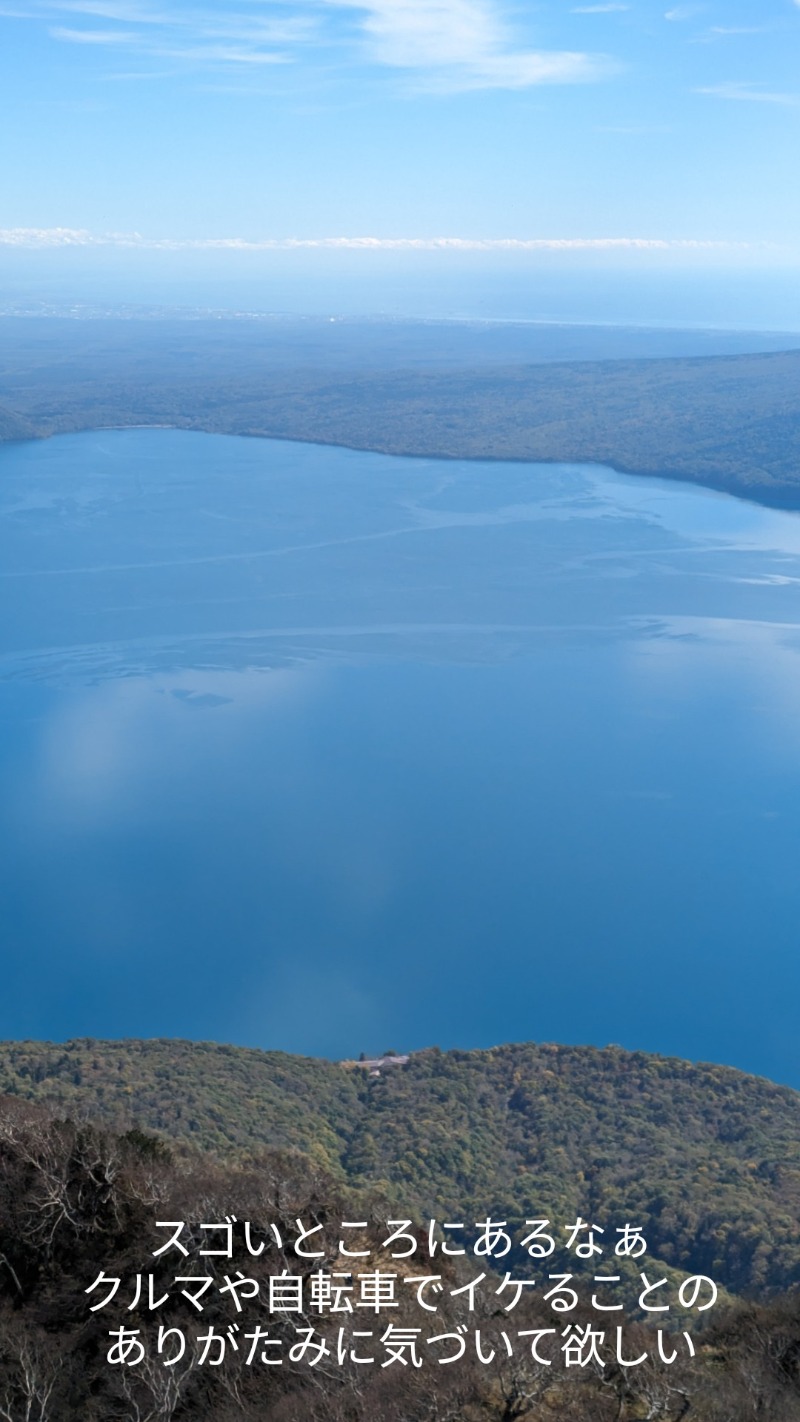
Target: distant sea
<point x="644" y="289"/>
<point x="330" y="751"/>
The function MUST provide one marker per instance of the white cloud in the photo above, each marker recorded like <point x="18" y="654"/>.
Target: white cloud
<point x="749" y="93"/>
<point x="522" y="71"/>
<point x="721" y="32"/>
<point x="55" y="237"/>
<point x="196" y="36"/>
<point x="408" y="33"/>
<point x="221" y="53"/>
<point x="109" y="10"/>
<point x="465" y="41"/>
<point x="93" y="36"/>
<point x="456" y="44"/>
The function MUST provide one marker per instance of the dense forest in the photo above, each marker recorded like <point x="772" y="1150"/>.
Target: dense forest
<point x="86" y="1215"/>
<point x="731" y="422"/>
<point x="706" y="1157"/>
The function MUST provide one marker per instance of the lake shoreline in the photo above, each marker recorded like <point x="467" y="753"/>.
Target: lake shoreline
<point x="786" y="502"/>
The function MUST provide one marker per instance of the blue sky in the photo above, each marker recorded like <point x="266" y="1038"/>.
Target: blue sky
<point x="404" y="119"/>
<point x="151" y="125"/>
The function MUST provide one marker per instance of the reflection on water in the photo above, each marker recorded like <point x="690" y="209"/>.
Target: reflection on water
<point x="331" y="752"/>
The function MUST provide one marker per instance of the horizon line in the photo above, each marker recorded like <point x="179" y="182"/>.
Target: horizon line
<point x="50" y="238"/>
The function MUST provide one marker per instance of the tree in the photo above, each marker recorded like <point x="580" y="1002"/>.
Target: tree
<point x="30" y="1368"/>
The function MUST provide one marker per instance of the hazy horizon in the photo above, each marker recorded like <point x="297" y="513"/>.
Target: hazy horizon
<point x="420" y="286"/>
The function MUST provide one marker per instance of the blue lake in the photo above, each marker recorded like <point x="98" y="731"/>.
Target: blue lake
<point x="330" y="752"/>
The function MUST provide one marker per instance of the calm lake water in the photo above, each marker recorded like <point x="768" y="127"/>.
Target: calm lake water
<point x="331" y="752"/>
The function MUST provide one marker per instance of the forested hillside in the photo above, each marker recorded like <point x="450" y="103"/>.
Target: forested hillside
<point x="731" y="422"/>
<point x="706" y="1158"/>
<point x="102" y="1319"/>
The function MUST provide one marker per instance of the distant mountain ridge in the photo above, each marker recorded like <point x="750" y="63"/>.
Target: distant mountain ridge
<point x="705" y="1158"/>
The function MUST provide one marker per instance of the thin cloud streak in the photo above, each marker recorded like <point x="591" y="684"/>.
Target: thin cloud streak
<point x="195" y="36"/>
<point x="205" y="53"/>
<point x="748" y="94"/>
<point x="69" y="36"/>
<point x="38" y="238"/>
<point x="108" y="10"/>
<point x="715" y="33"/>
